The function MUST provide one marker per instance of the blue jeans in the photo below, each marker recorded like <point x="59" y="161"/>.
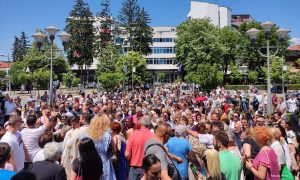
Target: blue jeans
<point x="135" y="173"/>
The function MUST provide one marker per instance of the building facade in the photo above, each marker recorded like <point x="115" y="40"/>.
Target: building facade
<point x="220" y="16"/>
<point x="163" y="56"/>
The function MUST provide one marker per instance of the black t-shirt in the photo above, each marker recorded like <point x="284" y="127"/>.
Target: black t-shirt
<point x="254" y="146"/>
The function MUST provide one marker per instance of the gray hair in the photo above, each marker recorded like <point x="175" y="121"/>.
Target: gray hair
<point x="51" y="150"/>
<point x="146" y="121"/>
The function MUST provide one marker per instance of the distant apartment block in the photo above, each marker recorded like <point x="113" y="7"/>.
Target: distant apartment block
<point x="220" y="16"/>
<point x="163" y="56"/>
<point x="238" y="19"/>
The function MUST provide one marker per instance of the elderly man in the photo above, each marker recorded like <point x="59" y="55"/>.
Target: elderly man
<point x="49" y="169"/>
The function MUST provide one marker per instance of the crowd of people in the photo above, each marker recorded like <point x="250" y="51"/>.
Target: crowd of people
<point x="163" y="133"/>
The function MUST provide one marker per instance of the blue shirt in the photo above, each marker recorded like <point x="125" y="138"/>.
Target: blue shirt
<point x="6" y="174"/>
<point x="180" y="147"/>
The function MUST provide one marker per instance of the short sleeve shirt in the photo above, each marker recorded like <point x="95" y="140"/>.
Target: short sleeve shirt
<point x="158" y="152"/>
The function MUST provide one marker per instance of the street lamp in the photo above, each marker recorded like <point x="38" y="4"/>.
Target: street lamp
<point x="51" y="30"/>
<point x="124" y="67"/>
<point x="282" y="33"/>
<point x="8" y="71"/>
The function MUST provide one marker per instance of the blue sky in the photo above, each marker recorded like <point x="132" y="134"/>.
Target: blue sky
<point x="29" y="15"/>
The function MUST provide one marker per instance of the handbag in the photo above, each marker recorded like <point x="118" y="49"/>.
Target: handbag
<point x="285" y="173"/>
<point x="79" y="173"/>
<point x="173" y="172"/>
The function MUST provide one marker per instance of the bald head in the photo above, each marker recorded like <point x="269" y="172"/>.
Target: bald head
<point x="163" y="132"/>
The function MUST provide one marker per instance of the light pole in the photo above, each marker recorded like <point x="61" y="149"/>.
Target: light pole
<point x="51" y="30"/>
<point x="282" y="33"/>
<point x="124" y="67"/>
<point x="8" y="71"/>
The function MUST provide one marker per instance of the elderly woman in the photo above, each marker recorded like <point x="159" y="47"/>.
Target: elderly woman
<point x="265" y="165"/>
<point x="49" y="169"/>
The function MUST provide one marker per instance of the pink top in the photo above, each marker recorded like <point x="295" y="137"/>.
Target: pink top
<point x="268" y="158"/>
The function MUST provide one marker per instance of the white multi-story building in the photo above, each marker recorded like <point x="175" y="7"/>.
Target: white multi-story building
<point x="220" y="16"/>
<point x="163" y="56"/>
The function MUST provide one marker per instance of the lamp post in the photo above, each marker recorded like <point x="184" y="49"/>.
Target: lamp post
<point x="8" y="71"/>
<point x="282" y="33"/>
<point x="124" y="67"/>
<point x="51" y="30"/>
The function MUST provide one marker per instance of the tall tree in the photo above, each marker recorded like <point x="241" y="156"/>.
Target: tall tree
<point x="142" y="33"/>
<point x="136" y="22"/>
<point x="20" y="47"/>
<point x="24" y="45"/>
<point x="108" y="59"/>
<point x="16" y="51"/>
<point x="104" y="30"/>
<point x="81" y="44"/>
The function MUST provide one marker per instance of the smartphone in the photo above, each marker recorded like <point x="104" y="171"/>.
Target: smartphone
<point x="194" y="170"/>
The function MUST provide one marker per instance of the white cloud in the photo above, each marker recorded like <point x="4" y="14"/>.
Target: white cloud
<point x="295" y="41"/>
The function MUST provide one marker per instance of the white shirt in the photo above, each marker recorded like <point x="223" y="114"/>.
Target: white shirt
<point x="39" y="156"/>
<point x="292" y="105"/>
<point x="16" y="144"/>
<point x="207" y="139"/>
<point x="31" y="137"/>
<point x="10" y="107"/>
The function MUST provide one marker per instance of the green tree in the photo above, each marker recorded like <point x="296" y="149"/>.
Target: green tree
<point x="39" y="59"/>
<point x="104" y="34"/>
<point x="18" y="74"/>
<point x="108" y="59"/>
<point x="68" y="79"/>
<point x="16" y="51"/>
<point x="253" y="76"/>
<point x="235" y="75"/>
<point x="228" y="42"/>
<point x="161" y="76"/>
<point x="81" y="45"/>
<point x="250" y="55"/>
<point x="24" y="45"/>
<point x="275" y="70"/>
<point x="207" y="75"/>
<point x="134" y="59"/>
<point x="40" y="78"/>
<point x="110" y="80"/>
<point x="2" y="74"/>
<point x="136" y="21"/>
<point x="197" y="44"/>
<point x="20" y="47"/>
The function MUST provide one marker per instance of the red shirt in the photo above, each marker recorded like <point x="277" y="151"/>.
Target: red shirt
<point x="135" y="145"/>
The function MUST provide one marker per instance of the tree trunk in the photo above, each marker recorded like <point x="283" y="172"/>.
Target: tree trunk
<point x="81" y="76"/>
<point x="225" y="70"/>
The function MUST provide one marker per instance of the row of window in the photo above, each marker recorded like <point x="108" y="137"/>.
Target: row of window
<point x="163" y="50"/>
<point x="160" y="60"/>
<point x="163" y="40"/>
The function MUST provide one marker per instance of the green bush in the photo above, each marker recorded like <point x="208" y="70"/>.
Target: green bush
<point x="244" y="87"/>
<point x="293" y="87"/>
<point x="290" y="87"/>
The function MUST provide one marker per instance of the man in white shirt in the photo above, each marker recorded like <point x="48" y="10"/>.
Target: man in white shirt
<point x="32" y="133"/>
<point x="13" y="137"/>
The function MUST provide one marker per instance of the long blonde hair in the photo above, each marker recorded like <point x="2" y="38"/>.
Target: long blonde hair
<point x="99" y="124"/>
<point x="213" y="164"/>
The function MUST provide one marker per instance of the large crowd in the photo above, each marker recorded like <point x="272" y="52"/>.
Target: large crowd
<point x="150" y="134"/>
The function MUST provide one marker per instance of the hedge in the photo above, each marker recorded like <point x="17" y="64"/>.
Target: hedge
<point x="290" y="87"/>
